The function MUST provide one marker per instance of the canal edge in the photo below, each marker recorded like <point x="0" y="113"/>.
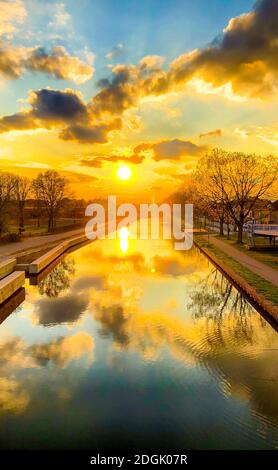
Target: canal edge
<point x="258" y="299"/>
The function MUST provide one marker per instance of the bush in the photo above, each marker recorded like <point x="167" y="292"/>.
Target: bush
<point x="12" y="237"/>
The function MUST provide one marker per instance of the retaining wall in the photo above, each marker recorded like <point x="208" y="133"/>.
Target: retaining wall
<point x="259" y="299"/>
<point x="10" y="284"/>
<point x="7" y="267"/>
<point x="43" y="261"/>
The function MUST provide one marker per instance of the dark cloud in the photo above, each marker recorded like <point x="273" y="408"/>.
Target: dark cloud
<point x="58" y="105"/>
<point x="65" y="309"/>
<point x="166" y="150"/>
<point x="65" y="109"/>
<point x="175" y="149"/>
<point x="18" y="121"/>
<point x="62" y="109"/>
<point x="113" y="324"/>
<point x="48" y="108"/>
<point x="97" y="133"/>
<point x="117" y="95"/>
<point x="245" y="57"/>
<point x="97" y="162"/>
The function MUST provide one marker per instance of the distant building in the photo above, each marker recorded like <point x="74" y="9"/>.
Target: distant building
<point x="273" y="212"/>
<point x="265" y="212"/>
<point x="260" y="212"/>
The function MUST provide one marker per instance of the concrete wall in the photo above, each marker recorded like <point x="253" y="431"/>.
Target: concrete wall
<point x="268" y="307"/>
<point x="7" y="267"/>
<point x="41" y="263"/>
<point x="11" y="304"/>
<point x="10" y="284"/>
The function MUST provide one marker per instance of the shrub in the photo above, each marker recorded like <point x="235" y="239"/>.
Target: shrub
<point x="12" y="237"/>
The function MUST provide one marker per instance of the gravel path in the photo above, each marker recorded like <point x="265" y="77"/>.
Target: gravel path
<point x="257" y="267"/>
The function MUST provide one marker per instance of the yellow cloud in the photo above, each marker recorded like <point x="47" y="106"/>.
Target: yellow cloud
<point x="11" y="13"/>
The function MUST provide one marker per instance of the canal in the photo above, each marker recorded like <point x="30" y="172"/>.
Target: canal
<point x="131" y="344"/>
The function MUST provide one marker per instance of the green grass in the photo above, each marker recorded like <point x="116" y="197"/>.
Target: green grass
<point x="268" y="257"/>
<point x="33" y="229"/>
<point x="263" y="287"/>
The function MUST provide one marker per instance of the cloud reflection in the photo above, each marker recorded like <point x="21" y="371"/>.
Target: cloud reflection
<point x="12" y="398"/>
<point x="65" y="309"/>
<point x="63" y="350"/>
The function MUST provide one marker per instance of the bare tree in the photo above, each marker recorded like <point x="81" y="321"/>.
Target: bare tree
<point x="37" y="213"/>
<point x="7" y="186"/>
<point x="50" y="188"/>
<point x="210" y="198"/>
<point x="238" y="181"/>
<point x="21" y="190"/>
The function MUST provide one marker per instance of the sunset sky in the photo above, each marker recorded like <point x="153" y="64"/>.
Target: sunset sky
<point x="88" y="86"/>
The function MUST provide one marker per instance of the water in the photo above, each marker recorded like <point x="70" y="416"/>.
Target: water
<point x="132" y="344"/>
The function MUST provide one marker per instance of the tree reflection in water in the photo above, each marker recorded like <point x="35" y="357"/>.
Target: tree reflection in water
<point x="58" y="279"/>
<point x="217" y="301"/>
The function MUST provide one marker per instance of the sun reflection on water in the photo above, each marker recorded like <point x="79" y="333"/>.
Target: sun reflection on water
<point x="138" y="314"/>
<point x="124" y="239"/>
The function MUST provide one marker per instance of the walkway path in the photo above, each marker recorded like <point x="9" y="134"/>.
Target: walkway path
<point x="257" y="267"/>
<point x="36" y="242"/>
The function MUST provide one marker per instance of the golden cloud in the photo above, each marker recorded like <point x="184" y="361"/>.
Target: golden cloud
<point x="174" y="149"/>
<point x="61" y="109"/>
<point x="60" y="351"/>
<point x="12" y="398"/>
<point x="15" y="60"/>
<point x="245" y="56"/>
<point x="63" y="350"/>
<point x="242" y="62"/>
<point x="11" y="13"/>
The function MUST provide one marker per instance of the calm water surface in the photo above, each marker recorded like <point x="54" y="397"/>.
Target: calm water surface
<point x="133" y="344"/>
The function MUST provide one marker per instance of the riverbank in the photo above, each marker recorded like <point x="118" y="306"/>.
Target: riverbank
<point x="261" y="290"/>
<point x="262" y="252"/>
<point x="30" y="248"/>
<point x="12" y="270"/>
<point x="247" y="259"/>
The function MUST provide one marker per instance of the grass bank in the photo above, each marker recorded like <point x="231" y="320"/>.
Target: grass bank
<point x="262" y="287"/>
<point x="268" y="257"/>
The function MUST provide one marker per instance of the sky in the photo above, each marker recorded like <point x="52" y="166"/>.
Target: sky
<point x="89" y="86"/>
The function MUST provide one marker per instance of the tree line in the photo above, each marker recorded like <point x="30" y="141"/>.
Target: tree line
<point x="225" y="186"/>
<point x="49" y="189"/>
<point x="229" y="186"/>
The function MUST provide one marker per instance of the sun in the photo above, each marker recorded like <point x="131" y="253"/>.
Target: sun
<point x="124" y="172"/>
